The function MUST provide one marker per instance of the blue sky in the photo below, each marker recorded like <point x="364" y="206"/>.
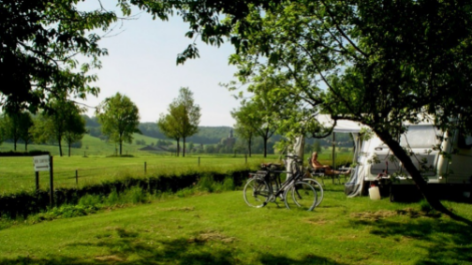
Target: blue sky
<point x="142" y="65"/>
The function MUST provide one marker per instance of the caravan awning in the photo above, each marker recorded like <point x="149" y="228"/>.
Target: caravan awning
<point x="342" y="126"/>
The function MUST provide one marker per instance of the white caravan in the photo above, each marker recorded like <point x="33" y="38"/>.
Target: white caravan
<point x="373" y="158"/>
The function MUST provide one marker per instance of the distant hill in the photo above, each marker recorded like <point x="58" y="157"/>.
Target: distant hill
<point x="205" y="135"/>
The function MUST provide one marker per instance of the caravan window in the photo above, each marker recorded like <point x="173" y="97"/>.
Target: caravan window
<point x="421" y="136"/>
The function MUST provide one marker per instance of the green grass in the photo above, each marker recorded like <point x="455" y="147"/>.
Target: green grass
<point x="221" y="229"/>
<point x="17" y="173"/>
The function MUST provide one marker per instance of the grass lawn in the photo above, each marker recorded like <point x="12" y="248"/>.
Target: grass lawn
<point x="17" y="173"/>
<point x="221" y="229"/>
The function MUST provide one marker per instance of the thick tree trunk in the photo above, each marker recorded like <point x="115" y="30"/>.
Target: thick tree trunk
<point x="121" y="147"/>
<point x="14" y="144"/>
<point x="69" y="144"/>
<point x="183" y="147"/>
<point x="415" y="174"/>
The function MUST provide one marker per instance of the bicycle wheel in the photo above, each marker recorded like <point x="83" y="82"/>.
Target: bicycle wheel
<point x="301" y="195"/>
<point x="318" y="187"/>
<point x="256" y="193"/>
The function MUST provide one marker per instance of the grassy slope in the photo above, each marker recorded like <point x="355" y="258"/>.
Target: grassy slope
<point x="90" y="146"/>
<point x="221" y="229"/>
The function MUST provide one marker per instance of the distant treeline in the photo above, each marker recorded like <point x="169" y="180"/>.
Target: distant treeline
<point x="205" y="135"/>
<point x="215" y="135"/>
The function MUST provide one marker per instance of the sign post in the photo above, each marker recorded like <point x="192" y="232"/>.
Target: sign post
<point x="44" y="163"/>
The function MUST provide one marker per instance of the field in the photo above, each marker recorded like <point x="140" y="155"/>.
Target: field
<point x="221" y="229"/>
<point x="17" y="173"/>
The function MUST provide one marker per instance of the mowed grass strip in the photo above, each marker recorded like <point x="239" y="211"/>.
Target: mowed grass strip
<point x="221" y="229"/>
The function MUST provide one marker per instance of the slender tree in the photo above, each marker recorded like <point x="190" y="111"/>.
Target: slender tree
<point x="182" y="120"/>
<point x="246" y="125"/>
<point x="75" y="130"/>
<point x="56" y="121"/>
<point x="119" y="118"/>
<point x="190" y="118"/>
<point x="169" y="123"/>
<point x="17" y="125"/>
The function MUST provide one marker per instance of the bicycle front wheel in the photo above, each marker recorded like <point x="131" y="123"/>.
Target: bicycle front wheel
<point x="256" y="193"/>
<point x="301" y="195"/>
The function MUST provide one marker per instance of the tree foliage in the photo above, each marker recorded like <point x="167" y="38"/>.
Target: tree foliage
<point x="119" y="118"/>
<point x="367" y="62"/>
<point x="39" y="43"/>
<point x="182" y="120"/>
<point x="58" y="121"/>
<point x="380" y="63"/>
<point x="16" y="126"/>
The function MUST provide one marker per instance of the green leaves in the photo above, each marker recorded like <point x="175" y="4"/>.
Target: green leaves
<point x="183" y="117"/>
<point x="119" y="118"/>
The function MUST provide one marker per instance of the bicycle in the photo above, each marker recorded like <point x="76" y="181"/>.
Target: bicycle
<point x="265" y="187"/>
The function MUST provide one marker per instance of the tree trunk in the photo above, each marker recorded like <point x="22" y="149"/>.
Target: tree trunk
<point x="183" y="147"/>
<point x="26" y="146"/>
<point x="14" y="143"/>
<point x="265" y="146"/>
<point x="59" y="141"/>
<point x="249" y="146"/>
<point x="69" y="144"/>
<point x="121" y="147"/>
<point x="415" y="174"/>
<point x="178" y="147"/>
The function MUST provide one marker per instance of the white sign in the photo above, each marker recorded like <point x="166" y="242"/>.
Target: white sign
<point x="41" y="163"/>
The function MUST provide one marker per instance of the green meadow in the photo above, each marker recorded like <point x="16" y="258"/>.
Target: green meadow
<point x="210" y="225"/>
<point x="219" y="228"/>
<point x="95" y="162"/>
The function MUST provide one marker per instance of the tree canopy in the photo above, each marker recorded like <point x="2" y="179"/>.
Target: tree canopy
<point x="183" y="118"/>
<point x="39" y="43"/>
<point x="119" y="118"/>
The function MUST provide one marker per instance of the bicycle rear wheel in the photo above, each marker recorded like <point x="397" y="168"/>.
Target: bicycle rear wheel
<point x="256" y="193"/>
<point x="318" y="188"/>
<point x="301" y="195"/>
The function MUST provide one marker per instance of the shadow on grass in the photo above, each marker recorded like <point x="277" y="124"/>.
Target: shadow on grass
<point x="129" y="249"/>
<point x="446" y="242"/>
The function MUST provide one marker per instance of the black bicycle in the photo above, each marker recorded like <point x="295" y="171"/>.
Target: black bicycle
<point x="265" y="186"/>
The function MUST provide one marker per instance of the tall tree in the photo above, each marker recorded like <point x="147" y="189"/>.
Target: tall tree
<point x="56" y="121"/>
<point x="17" y="125"/>
<point x="188" y="122"/>
<point x="119" y="118"/>
<point x="379" y="67"/>
<point x="75" y="130"/>
<point x="169" y="123"/>
<point x="183" y="118"/>
<point x="246" y="125"/>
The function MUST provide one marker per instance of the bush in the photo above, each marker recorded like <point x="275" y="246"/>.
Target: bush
<point x="135" y="195"/>
<point x="90" y="200"/>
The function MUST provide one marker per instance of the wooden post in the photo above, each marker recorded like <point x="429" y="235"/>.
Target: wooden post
<point x="51" y="182"/>
<point x="145" y="168"/>
<point x="36" y="173"/>
<point x="334" y="151"/>
<point x="77" y="177"/>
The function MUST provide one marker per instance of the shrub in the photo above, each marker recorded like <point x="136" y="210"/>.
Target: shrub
<point x="135" y="195"/>
<point x="90" y="200"/>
